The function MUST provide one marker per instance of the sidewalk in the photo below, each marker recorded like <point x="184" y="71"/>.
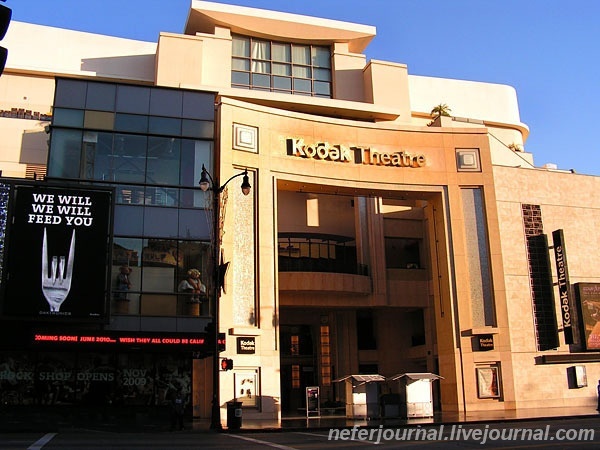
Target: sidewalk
<point x="325" y="422"/>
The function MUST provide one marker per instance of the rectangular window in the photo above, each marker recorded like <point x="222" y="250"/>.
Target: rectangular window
<point x="365" y="330"/>
<point x="281" y="67"/>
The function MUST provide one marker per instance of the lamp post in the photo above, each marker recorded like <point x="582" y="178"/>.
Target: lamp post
<point x="207" y="182"/>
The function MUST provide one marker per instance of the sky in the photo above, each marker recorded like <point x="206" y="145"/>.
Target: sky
<point x="548" y="50"/>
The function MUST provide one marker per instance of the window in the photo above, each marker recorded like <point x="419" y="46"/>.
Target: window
<point x="147" y="272"/>
<point x="402" y="253"/>
<point x="281" y="67"/>
<point x="150" y="144"/>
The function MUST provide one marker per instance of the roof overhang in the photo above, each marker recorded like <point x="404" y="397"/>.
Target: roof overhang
<point x="415" y="376"/>
<point x="205" y="16"/>
<point x="343" y="109"/>
<point x="362" y="379"/>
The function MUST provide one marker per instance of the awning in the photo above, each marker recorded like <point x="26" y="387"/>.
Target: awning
<point x="362" y="379"/>
<point x="415" y="376"/>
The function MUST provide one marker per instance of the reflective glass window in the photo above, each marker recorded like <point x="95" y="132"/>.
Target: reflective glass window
<point x="129" y="194"/>
<point x="96" y="155"/>
<point x="129" y="220"/>
<point x="66" y="149"/>
<point x="323" y="88"/>
<point x="131" y="122"/>
<point x="161" y="196"/>
<point x="101" y="96"/>
<point x="263" y="65"/>
<point x="166" y="102"/>
<point x="240" y="64"/>
<point x="126" y="253"/>
<point x="62" y="117"/>
<point x="193" y="155"/>
<point x="302" y="72"/>
<point x="241" y="46"/>
<point x="160" y="262"/>
<point x="70" y="94"/>
<point x="99" y="120"/>
<point x="322" y="74"/>
<point x="194" y="223"/>
<point x="302" y="85"/>
<point x="321" y="57"/>
<point x="160" y="222"/>
<point x="282" y="69"/>
<point x="240" y="78"/>
<point x="281" y="52"/>
<point x="164" y="125"/>
<point x="133" y="99"/>
<point x="261" y="80"/>
<point x="282" y="83"/>
<point x="198" y="105"/>
<point x="201" y="129"/>
<point x="163" y="160"/>
<point x="129" y="158"/>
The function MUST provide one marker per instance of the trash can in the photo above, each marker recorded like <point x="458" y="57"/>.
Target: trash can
<point x="390" y="405"/>
<point x="234" y="415"/>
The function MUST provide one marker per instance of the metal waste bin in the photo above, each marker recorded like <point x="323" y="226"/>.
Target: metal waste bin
<point x="234" y="415"/>
<point x="390" y="405"/>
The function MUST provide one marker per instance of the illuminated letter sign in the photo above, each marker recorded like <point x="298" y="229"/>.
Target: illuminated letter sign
<point x="338" y="153"/>
<point x="564" y="288"/>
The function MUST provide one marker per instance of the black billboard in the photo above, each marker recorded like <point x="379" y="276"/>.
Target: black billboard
<point x="57" y="248"/>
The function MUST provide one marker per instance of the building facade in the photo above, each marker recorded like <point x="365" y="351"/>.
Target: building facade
<point x="375" y="239"/>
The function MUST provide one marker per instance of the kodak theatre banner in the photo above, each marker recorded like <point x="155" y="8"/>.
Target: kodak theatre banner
<point x="56" y="247"/>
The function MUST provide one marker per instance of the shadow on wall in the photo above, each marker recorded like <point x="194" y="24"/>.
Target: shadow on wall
<point x="34" y="146"/>
<point x="133" y="66"/>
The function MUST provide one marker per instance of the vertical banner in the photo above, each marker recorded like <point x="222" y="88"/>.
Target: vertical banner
<point x="588" y="296"/>
<point x="57" y="253"/>
<point x="564" y="287"/>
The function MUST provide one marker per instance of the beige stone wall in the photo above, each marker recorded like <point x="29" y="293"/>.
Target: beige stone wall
<point x="438" y="183"/>
<point x="24" y="141"/>
<point x="569" y="202"/>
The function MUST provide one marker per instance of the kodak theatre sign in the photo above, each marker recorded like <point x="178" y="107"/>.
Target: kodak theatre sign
<point x="358" y="155"/>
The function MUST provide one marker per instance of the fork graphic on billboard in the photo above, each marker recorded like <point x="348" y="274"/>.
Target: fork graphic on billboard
<point x="59" y="253"/>
<point x="57" y="284"/>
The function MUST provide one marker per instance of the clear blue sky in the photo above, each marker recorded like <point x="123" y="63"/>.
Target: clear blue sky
<point x="548" y="50"/>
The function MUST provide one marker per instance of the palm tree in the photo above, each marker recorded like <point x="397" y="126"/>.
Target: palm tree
<point x="440" y="110"/>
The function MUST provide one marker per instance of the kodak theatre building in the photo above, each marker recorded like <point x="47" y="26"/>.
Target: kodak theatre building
<point x="375" y="241"/>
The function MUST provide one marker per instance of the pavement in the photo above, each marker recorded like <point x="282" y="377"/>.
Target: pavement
<point x="16" y="420"/>
<point x="289" y="423"/>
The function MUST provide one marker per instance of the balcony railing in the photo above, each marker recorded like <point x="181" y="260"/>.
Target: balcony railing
<point x="319" y="253"/>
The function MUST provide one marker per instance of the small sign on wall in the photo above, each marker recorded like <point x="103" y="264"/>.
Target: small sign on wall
<point x="246" y="345"/>
<point x="485" y="342"/>
<point x="488" y="385"/>
<point x="577" y="377"/>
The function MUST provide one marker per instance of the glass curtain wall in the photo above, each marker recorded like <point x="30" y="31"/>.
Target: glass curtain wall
<point x="150" y="144"/>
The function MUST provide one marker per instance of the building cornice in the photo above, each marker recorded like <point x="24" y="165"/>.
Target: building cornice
<point x="204" y="16"/>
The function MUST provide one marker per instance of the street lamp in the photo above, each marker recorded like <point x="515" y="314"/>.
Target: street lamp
<point x="207" y="182"/>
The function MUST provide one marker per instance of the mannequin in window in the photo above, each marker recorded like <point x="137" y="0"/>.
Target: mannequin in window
<point x="123" y="282"/>
<point x="193" y="285"/>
